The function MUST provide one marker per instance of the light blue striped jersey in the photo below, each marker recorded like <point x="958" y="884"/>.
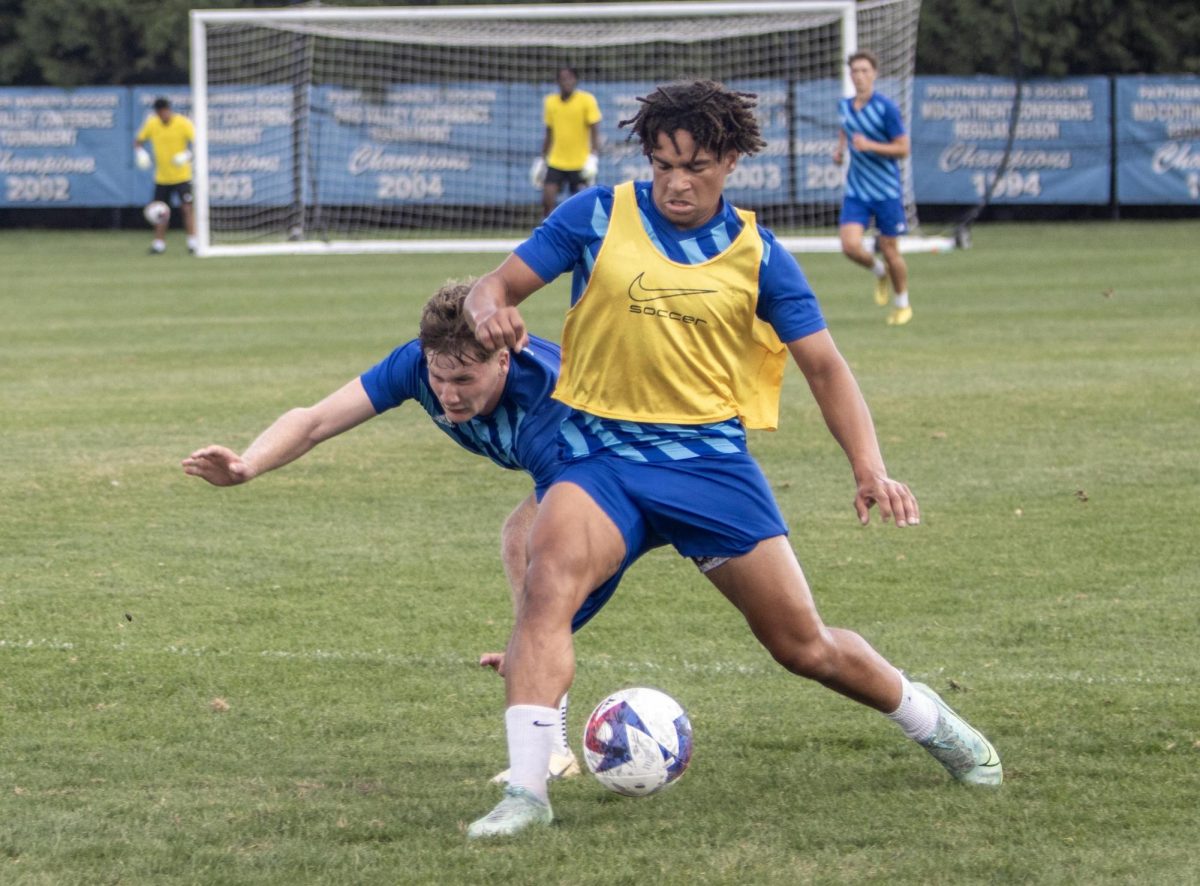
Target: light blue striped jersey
<point x="520" y="434"/>
<point x="872" y="176"/>
<point x="570" y="239"/>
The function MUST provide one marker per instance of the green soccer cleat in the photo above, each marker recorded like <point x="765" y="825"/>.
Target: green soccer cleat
<point x="517" y="812"/>
<point x="561" y="766"/>
<point x="882" y="296"/>
<point x="899" y="316"/>
<point x="961" y="748"/>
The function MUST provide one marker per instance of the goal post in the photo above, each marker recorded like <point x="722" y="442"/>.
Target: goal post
<point x="373" y="129"/>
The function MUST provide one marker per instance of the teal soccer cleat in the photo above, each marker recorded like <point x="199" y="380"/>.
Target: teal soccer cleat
<point x="961" y="748"/>
<point x="517" y="812"/>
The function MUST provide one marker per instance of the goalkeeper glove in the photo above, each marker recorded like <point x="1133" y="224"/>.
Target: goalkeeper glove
<point x="142" y="158"/>
<point x="537" y="173"/>
<point x="182" y="158"/>
<point x="591" y="169"/>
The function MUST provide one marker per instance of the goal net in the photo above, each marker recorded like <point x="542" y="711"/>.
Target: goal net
<point x="414" y="128"/>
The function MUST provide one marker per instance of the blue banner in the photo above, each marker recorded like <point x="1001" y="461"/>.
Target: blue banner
<point x="65" y="147"/>
<point x="250" y="141"/>
<point x="1158" y="151"/>
<point x="1061" y="152"/>
<point x="425" y="144"/>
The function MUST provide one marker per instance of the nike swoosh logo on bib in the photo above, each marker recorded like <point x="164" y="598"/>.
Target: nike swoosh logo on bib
<point x="638" y="291"/>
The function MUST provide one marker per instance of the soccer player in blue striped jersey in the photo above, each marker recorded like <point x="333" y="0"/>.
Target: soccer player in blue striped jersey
<point x="873" y="130"/>
<point x="492" y="402"/>
<point x="683" y="313"/>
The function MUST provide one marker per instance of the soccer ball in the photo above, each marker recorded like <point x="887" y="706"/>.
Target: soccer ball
<point x="637" y="741"/>
<point x="156" y="211"/>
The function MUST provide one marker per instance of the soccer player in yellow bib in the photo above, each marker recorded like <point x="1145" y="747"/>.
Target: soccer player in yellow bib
<point x="683" y="312"/>
<point x="171" y="136"/>
<point x="572" y="139"/>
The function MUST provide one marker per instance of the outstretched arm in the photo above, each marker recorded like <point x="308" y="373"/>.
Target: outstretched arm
<point x="491" y="305"/>
<point x="289" y="437"/>
<point x="846" y="414"/>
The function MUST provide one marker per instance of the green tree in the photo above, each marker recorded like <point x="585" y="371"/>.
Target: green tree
<point x="1060" y="37"/>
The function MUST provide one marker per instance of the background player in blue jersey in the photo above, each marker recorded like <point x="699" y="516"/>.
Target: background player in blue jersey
<point x="673" y="344"/>
<point x="491" y="402"/>
<point x="872" y="128"/>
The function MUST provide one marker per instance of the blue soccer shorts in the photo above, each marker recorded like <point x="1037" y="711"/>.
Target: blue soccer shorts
<point x="707" y="506"/>
<point x="888" y="214"/>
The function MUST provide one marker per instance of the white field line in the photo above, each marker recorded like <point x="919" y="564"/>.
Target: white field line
<point x="704" y="667"/>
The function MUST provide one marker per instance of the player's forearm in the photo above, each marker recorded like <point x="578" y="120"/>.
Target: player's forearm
<point x="848" y="418"/>
<point x="897" y="150"/>
<point x="291" y="435"/>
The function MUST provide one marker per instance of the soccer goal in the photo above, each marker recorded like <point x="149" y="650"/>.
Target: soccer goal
<point x="374" y="129"/>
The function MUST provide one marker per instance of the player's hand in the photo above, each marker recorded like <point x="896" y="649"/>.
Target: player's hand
<point x="218" y="465"/>
<point x="591" y="169"/>
<point x="142" y="158"/>
<point x="182" y="158"/>
<point x="894" y="500"/>
<point x="537" y="173"/>
<point x="493" y="660"/>
<point x="837" y="156"/>
<point x="502" y="328"/>
<point x="861" y="142"/>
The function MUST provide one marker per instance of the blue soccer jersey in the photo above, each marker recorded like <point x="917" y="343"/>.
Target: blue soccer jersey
<point x="521" y="434"/>
<point x="570" y="239"/>
<point x="872" y="176"/>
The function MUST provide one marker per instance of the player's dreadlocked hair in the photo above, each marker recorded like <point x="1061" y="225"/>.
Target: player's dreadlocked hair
<point x="444" y="328"/>
<point x="719" y="119"/>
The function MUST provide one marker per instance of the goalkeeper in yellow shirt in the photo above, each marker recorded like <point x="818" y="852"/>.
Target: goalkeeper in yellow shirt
<point x="170" y="136"/>
<point x="572" y="140"/>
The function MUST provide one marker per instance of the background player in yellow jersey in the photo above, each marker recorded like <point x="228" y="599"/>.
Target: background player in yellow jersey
<point x="170" y="136"/>
<point x="572" y="139"/>
<point x="682" y="307"/>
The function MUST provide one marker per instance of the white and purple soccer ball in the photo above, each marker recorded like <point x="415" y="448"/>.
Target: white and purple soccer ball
<point x="156" y="211"/>
<point x="637" y="741"/>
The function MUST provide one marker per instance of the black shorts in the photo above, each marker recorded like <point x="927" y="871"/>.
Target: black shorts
<point x="572" y="180"/>
<point x="164" y="192"/>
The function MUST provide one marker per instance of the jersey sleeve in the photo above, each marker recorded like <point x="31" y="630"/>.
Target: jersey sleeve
<point x="559" y="242"/>
<point x="394" y="379"/>
<point x="144" y="133"/>
<point x="593" y="115"/>
<point x="785" y="299"/>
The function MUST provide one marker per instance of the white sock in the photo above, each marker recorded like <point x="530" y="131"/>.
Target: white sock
<point x="191" y="242"/>
<point x="531" y="731"/>
<point x="917" y="715"/>
<point x="562" y="745"/>
<point x="900" y="299"/>
<point x="879" y="268"/>
<point x="159" y="245"/>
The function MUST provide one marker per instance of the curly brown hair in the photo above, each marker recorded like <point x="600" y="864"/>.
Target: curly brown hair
<point x="719" y="119"/>
<point x="444" y="327"/>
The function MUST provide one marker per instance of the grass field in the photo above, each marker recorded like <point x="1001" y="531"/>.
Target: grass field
<point x="276" y="684"/>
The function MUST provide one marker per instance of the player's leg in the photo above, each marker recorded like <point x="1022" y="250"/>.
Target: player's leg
<point x="514" y="540"/>
<point x="892" y="224"/>
<point x="189" y="215"/>
<point x="714" y="507"/>
<point x="551" y="188"/>
<point x="855" y="218"/>
<point x="574" y="546"/>
<point x="769" y="589"/>
<point x="162" y="193"/>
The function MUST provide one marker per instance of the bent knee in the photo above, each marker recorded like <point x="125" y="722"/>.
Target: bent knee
<point x="811" y="657"/>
